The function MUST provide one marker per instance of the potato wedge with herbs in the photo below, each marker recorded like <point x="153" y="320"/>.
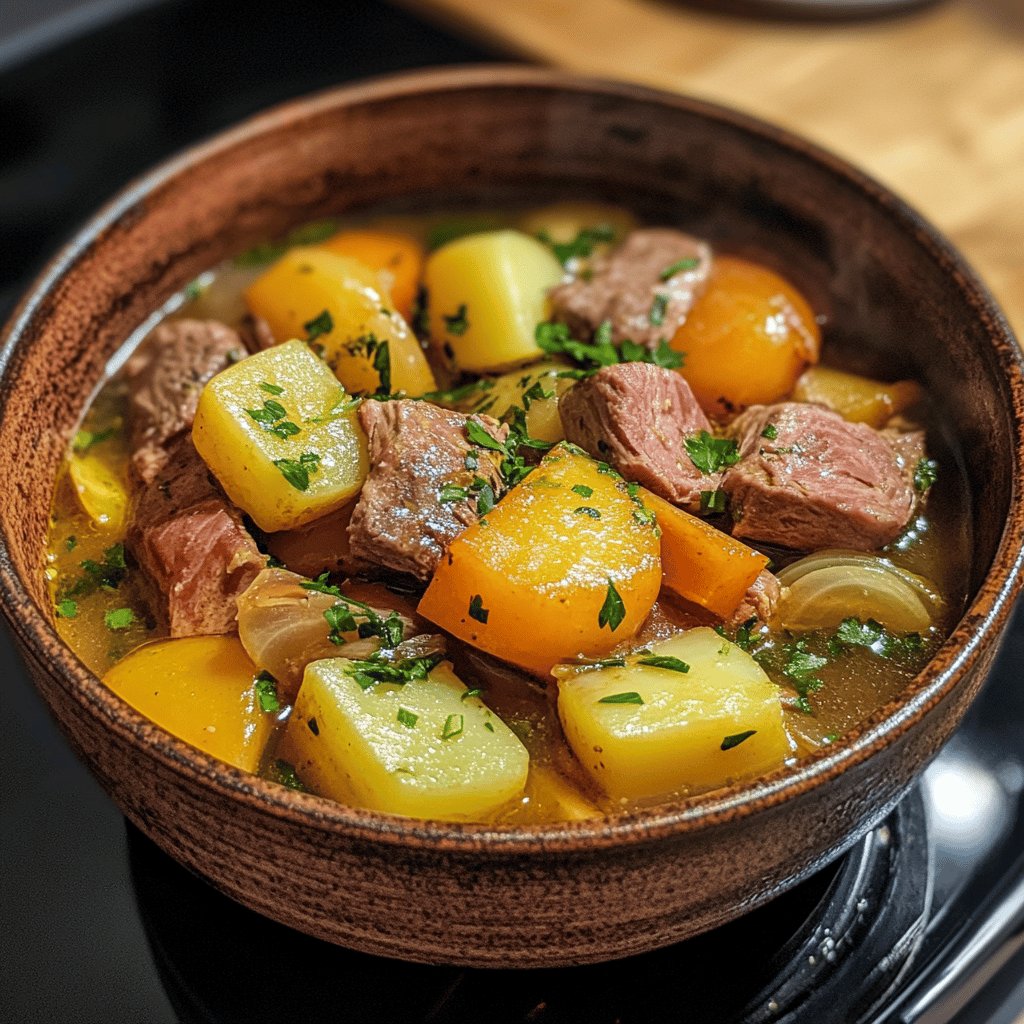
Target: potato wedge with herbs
<point x="279" y="433"/>
<point x="486" y="295"/>
<point x="205" y="691"/>
<point x="694" y="714"/>
<point x="535" y="389"/>
<point x="568" y="563"/>
<point x="340" y="306"/>
<point x="425" y="748"/>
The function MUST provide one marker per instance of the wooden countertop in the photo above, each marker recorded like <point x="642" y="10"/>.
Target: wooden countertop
<point x="930" y="102"/>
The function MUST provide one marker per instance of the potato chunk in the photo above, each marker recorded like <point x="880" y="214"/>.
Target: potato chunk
<point x="203" y="690"/>
<point x="856" y="398"/>
<point x="341" y="305"/>
<point x="644" y="731"/>
<point x="568" y="563"/>
<point x="423" y="749"/>
<point x="275" y="432"/>
<point x="486" y="294"/>
<point x="535" y="389"/>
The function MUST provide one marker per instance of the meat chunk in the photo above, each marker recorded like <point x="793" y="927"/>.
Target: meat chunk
<point x="255" y="333"/>
<point x="808" y="479"/>
<point x="760" y="601"/>
<point x="191" y="544"/>
<point x="629" y="287"/>
<point x="637" y="417"/>
<point x="166" y="377"/>
<point x="400" y="520"/>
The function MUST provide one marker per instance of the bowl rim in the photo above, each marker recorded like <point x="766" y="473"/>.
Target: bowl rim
<point x="979" y="626"/>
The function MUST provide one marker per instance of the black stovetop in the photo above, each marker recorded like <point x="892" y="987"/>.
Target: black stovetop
<point x="923" y="922"/>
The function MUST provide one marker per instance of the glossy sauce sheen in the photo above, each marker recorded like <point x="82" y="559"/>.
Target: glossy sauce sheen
<point x="936" y="545"/>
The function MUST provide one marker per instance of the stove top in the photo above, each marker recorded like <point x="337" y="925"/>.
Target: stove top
<point x="922" y="923"/>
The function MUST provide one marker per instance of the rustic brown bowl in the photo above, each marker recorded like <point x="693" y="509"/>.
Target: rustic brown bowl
<point x="897" y="294"/>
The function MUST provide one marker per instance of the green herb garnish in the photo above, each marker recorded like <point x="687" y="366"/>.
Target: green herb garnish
<point x="687" y="263"/>
<point x="297" y="471"/>
<point x="631" y="697"/>
<point x="586" y="510"/>
<point x="770" y="431"/>
<point x="453" y="726"/>
<point x="119" y="618"/>
<point x="456" y="323"/>
<point x="67" y="609"/>
<point x="266" y="692"/>
<point x="925" y="474"/>
<point x="664" y="661"/>
<point x="321" y="324"/>
<point x="285" y="774"/>
<point x="736" y="739"/>
<point x="613" y="611"/>
<point x="712" y="501"/>
<point x="407" y="718"/>
<point x="582" y="246"/>
<point x="711" y="454"/>
<point x="477" y="610"/>
<point x="656" y="314"/>
<point x="271" y="389"/>
<point x="85" y="439"/>
<point x="583" y="490"/>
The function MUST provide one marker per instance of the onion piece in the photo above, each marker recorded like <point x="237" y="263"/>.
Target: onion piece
<point x="821" y="590"/>
<point x="282" y="628"/>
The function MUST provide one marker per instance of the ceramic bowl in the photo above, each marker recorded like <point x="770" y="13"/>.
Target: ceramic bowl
<point x="897" y="295"/>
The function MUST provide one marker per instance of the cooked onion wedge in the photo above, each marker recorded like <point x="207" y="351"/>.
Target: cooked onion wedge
<point x="821" y="590"/>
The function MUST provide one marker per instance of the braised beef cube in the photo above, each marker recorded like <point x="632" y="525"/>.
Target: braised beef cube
<point x="808" y="479"/>
<point x="644" y="287"/>
<point x="427" y="483"/>
<point x="192" y="546"/>
<point x="166" y="377"/>
<point x="637" y="417"/>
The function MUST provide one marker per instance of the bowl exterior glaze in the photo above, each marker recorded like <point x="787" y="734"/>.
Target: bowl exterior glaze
<point x="467" y="894"/>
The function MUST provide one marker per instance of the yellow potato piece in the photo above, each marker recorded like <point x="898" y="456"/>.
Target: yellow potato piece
<point x="856" y="398"/>
<point x="542" y="387"/>
<point x="296" y="292"/>
<point x="695" y="730"/>
<point x="202" y="690"/>
<point x="100" y="491"/>
<point x="281" y="481"/>
<point x="535" y="582"/>
<point x="552" y="798"/>
<point x="422" y="749"/>
<point x="487" y="293"/>
<point x="562" y="222"/>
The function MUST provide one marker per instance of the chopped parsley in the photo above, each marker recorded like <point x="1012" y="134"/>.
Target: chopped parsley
<point x="925" y="474"/>
<point x="119" y="618"/>
<point x="452" y="492"/>
<point x="770" y="431"/>
<point x="711" y="454"/>
<point x="586" y="510"/>
<point x="266" y="693"/>
<point x="378" y="669"/>
<point x="271" y="389"/>
<point x="484" y="498"/>
<point x="582" y="490"/>
<point x="71" y="543"/>
<point x="407" y="718"/>
<point x="873" y="635"/>
<point x="656" y="314"/>
<point x="478" y="435"/>
<point x="488" y="726"/>
<point x="802" y="667"/>
<point x="664" y="661"/>
<point x="613" y="611"/>
<point x="321" y="324"/>
<point x="85" y="439"/>
<point x="582" y="246"/>
<point x="453" y="726"/>
<point x="630" y="697"/>
<point x="453" y="396"/>
<point x="297" y="471"/>
<point x="67" y="609"/>
<point x="382" y="364"/>
<point x="554" y="338"/>
<point x="339" y="621"/>
<point x="475" y="692"/>
<point x="284" y="773"/>
<point x="687" y="263"/>
<point x="736" y="739"/>
<point x="456" y="323"/>
<point x="271" y="417"/>
<point x="105" y="575"/>
<point x="477" y="610"/>
<point x="712" y="501"/>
